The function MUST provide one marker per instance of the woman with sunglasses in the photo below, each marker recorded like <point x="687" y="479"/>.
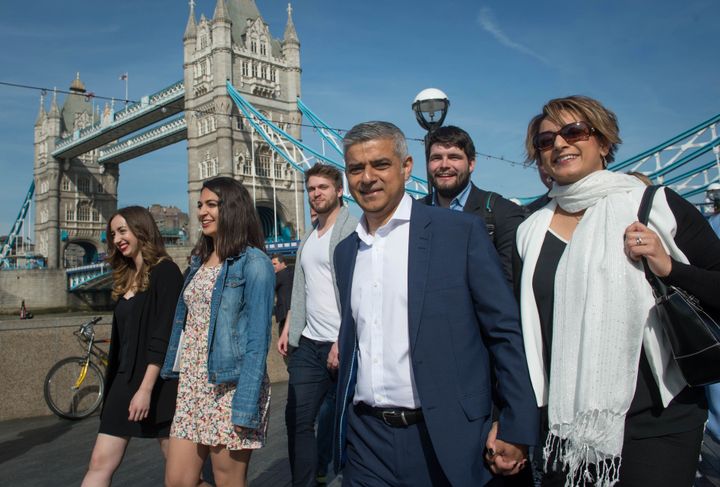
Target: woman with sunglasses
<point x="146" y="286"/>
<point x="220" y="341"/>
<point x="615" y="405"/>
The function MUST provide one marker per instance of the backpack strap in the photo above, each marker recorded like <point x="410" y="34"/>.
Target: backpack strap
<point x="489" y="215"/>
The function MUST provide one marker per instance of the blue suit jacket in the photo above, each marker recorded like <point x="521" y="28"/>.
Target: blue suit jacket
<point x="464" y="330"/>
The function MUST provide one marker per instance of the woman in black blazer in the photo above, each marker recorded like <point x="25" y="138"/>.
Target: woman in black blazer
<point x="146" y="286"/>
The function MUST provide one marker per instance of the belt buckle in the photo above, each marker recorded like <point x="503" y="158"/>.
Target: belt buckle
<point x="387" y="415"/>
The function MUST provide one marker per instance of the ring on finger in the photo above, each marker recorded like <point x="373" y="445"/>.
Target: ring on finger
<point x="638" y="240"/>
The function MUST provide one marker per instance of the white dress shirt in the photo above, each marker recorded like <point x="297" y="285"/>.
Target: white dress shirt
<point x="380" y="308"/>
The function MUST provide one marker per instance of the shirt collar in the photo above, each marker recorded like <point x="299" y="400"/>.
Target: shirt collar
<point x="458" y="202"/>
<point x="400" y="215"/>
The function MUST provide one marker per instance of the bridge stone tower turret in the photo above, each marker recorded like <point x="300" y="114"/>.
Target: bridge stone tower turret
<point x="73" y="197"/>
<point x="236" y="45"/>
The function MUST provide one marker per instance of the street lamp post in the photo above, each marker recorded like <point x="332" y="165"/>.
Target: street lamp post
<point x="430" y="107"/>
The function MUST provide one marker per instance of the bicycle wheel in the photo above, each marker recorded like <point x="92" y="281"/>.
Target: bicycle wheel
<point x="69" y="395"/>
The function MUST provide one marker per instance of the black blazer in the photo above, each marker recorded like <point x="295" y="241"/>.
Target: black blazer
<point x="507" y="215"/>
<point x="147" y="342"/>
<point x="283" y="289"/>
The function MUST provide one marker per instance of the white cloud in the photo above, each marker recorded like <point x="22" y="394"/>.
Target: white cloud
<point x="486" y="19"/>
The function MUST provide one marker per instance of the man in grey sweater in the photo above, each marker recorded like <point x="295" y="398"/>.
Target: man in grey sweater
<point x="313" y="321"/>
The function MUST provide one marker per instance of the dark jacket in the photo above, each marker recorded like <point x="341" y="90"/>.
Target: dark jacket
<point x="534" y="206"/>
<point x="283" y="292"/>
<point x="148" y="341"/>
<point x="505" y="215"/>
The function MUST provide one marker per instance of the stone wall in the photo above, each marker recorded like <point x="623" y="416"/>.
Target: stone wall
<point x="45" y="290"/>
<point x="29" y="348"/>
<point x="179" y="254"/>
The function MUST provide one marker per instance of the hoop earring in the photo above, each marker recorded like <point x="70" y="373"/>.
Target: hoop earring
<point x="604" y="162"/>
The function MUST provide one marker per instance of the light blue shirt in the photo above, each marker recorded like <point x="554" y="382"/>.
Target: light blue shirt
<point x="458" y="202"/>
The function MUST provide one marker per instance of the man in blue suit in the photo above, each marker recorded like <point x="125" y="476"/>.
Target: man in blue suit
<point x="429" y="339"/>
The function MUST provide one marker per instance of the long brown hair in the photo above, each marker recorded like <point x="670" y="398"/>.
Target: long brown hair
<point x="142" y="225"/>
<point x="238" y="221"/>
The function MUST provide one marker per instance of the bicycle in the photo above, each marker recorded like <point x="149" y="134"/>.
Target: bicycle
<point x="74" y="387"/>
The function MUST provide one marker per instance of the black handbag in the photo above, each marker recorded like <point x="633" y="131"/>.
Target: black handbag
<point x="694" y="336"/>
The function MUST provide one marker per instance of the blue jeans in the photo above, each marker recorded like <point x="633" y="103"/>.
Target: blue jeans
<point x="309" y="383"/>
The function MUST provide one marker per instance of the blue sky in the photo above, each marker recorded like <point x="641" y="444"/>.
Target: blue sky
<point x="654" y="62"/>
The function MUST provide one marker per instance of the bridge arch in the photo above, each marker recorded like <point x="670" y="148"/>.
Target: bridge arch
<point x="78" y="252"/>
<point x="285" y="229"/>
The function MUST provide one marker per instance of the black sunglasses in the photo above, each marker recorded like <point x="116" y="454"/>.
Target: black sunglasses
<point x="571" y="133"/>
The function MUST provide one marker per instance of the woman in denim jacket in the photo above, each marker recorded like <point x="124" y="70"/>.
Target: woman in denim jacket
<point x="219" y="342"/>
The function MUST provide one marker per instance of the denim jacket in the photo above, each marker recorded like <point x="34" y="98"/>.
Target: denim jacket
<point x="239" y="330"/>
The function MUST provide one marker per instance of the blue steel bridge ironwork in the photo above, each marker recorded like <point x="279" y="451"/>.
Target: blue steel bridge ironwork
<point x="149" y="110"/>
<point x="16" y="229"/>
<point x="688" y="162"/>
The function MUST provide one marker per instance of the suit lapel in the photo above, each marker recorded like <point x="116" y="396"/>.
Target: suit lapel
<point x="474" y="201"/>
<point x="418" y="266"/>
<point x="347" y="254"/>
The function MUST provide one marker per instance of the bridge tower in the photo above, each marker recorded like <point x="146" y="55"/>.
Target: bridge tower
<point x="236" y="45"/>
<point x="73" y="197"/>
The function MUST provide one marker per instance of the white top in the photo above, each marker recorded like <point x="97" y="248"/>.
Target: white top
<point x="323" y="316"/>
<point x="380" y="308"/>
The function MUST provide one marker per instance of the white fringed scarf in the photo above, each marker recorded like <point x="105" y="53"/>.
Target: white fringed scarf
<point x="603" y="315"/>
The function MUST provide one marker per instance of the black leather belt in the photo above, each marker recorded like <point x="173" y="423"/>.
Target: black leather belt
<point x="395" y="417"/>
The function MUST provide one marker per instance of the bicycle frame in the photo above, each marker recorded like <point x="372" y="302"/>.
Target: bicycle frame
<point x="92" y="350"/>
<point x="83" y="374"/>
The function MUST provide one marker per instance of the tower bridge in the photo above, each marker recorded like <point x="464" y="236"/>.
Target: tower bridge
<point x="78" y="149"/>
<point x="239" y="108"/>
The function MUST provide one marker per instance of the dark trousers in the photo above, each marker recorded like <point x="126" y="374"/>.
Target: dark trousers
<point x="325" y="428"/>
<point x="379" y="455"/>
<point x="309" y="382"/>
<point x="664" y="461"/>
<point x="709" y="469"/>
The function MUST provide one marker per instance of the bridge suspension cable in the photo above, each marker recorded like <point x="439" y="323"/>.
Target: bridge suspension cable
<point x="415" y="186"/>
<point x="16" y="228"/>
<point x="277" y="139"/>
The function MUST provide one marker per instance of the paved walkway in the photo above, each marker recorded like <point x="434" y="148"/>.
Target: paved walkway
<point x="48" y="451"/>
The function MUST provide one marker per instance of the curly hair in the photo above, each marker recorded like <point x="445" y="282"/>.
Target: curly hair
<point x="125" y="276"/>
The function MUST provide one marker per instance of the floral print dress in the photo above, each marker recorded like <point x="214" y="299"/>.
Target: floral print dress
<point x="203" y="413"/>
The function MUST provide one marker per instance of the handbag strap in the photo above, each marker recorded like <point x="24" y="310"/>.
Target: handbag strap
<point x="643" y="214"/>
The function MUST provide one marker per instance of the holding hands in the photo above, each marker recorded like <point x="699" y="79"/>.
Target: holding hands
<point x="640" y="241"/>
<point x="502" y="457"/>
